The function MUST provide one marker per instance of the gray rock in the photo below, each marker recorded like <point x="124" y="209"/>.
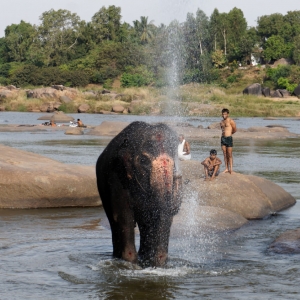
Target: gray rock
<point x="266" y="92"/>
<point x="276" y="94"/>
<point x="65" y="99"/>
<point x="287" y="243"/>
<point x="297" y="91"/>
<point x="284" y="93"/>
<point x="253" y="89"/>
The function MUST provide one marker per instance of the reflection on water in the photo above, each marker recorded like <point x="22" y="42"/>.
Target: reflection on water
<point x="66" y="253"/>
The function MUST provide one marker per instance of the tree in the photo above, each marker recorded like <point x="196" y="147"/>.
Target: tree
<point x="223" y="29"/>
<point x="57" y="37"/>
<point x="214" y="26"/>
<point x="144" y="29"/>
<point x="270" y="25"/>
<point x="106" y="24"/>
<point x="275" y="48"/>
<point x="296" y="52"/>
<point x="236" y="33"/>
<point x="18" y="39"/>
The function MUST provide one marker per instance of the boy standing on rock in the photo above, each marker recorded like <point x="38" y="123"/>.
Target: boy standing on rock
<point x="211" y="165"/>
<point x="228" y="127"/>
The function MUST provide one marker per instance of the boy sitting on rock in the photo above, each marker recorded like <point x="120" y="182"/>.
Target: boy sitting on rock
<point x="211" y="165"/>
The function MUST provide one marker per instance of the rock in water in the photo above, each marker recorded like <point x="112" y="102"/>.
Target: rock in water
<point x="253" y="89"/>
<point x="249" y="196"/>
<point x="108" y="128"/>
<point x="29" y="180"/>
<point x="287" y="243"/>
<point x="74" y="131"/>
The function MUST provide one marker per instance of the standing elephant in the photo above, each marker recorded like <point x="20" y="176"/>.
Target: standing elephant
<point x="139" y="183"/>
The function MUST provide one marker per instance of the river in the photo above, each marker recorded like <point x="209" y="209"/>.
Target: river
<point x="66" y="253"/>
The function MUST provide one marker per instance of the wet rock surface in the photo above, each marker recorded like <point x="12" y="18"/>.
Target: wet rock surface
<point x="287" y="243"/>
<point x="251" y="197"/>
<point x="29" y="180"/>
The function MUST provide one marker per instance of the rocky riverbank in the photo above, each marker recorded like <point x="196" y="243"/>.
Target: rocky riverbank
<point x="28" y="180"/>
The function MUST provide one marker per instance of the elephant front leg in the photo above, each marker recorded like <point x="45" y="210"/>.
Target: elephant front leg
<point x="122" y="227"/>
<point x="154" y="243"/>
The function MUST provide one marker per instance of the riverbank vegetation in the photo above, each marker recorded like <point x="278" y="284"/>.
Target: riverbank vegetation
<point x="204" y="53"/>
<point x="63" y="49"/>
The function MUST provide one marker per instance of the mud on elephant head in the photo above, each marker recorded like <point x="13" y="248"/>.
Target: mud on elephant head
<point x="139" y="183"/>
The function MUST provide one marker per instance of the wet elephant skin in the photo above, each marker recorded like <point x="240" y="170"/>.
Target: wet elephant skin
<point x="139" y="183"/>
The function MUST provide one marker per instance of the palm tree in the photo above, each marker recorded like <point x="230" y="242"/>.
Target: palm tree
<point x="144" y="29"/>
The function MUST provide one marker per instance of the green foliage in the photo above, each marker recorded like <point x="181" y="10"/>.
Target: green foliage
<point x="67" y="108"/>
<point x="32" y="75"/>
<point x="232" y="79"/>
<point x="139" y="76"/>
<point x="108" y="84"/>
<point x="276" y="47"/>
<point x="285" y="84"/>
<point x="218" y="58"/>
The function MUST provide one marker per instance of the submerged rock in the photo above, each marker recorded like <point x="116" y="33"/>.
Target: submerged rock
<point x="287" y="243"/>
<point x="108" y="128"/>
<point x="29" y="180"/>
<point x="74" y="131"/>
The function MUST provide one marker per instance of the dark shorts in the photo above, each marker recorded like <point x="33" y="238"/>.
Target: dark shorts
<point x="211" y="172"/>
<point x="227" y="141"/>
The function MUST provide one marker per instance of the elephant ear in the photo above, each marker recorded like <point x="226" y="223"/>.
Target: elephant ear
<point x="123" y="164"/>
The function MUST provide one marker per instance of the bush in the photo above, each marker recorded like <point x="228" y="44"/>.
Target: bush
<point x="33" y="75"/>
<point x="232" y="79"/>
<point x="285" y="84"/>
<point x="136" y="77"/>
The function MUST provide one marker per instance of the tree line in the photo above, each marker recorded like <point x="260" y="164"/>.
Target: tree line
<point x="63" y="49"/>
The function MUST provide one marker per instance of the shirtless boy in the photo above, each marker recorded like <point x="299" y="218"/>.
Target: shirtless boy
<point x="211" y="165"/>
<point x="228" y="127"/>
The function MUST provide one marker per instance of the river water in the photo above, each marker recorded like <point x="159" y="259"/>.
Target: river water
<point x="66" y="253"/>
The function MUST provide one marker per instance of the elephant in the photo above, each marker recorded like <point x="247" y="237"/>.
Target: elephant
<point x="139" y="183"/>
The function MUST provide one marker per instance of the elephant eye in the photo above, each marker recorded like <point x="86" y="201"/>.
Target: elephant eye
<point x="145" y="160"/>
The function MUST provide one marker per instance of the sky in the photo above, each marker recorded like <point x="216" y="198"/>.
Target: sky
<point x="160" y="11"/>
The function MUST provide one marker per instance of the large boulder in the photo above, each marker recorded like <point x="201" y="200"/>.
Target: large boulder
<point x="266" y="92"/>
<point x="194" y="219"/>
<point x="253" y="89"/>
<point x="83" y="108"/>
<point x="65" y="99"/>
<point x="47" y="107"/>
<point x="118" y="108"/>
<point x="42" y="93"/>
<point x="6" y="94"/>
<point x="282" y="62"/>
<point x="284" y="93"/>
<point x="249" y="196"/>
<point x="287" y="243"/>
<point x="29" y="180"/>
<point x="108" y="128"/>
<point x="297" y="91"/>
<point x="240" y="194"/>
<point x="276" y="94"/>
